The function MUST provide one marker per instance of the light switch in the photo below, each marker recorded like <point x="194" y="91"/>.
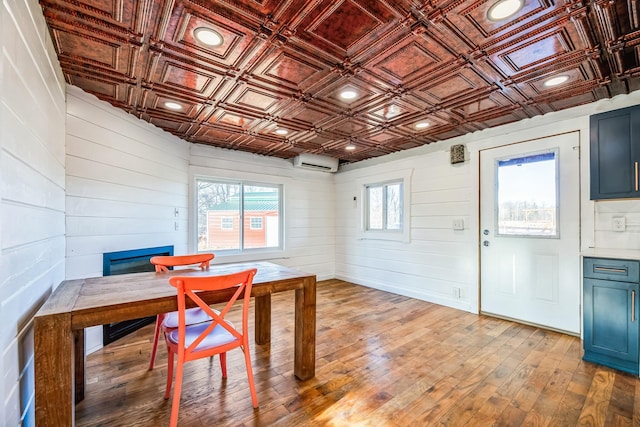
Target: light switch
<point x="458" y="224"/>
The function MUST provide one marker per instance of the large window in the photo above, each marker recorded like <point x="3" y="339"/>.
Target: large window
<point x="236" y="216"/>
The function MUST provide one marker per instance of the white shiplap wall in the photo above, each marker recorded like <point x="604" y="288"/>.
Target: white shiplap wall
<point x="125" y="178"/>
<point x="439" y="260"/>
<point x="32" y="208"/>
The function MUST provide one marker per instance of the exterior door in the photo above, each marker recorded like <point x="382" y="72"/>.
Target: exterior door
<point x="530" y="230"/>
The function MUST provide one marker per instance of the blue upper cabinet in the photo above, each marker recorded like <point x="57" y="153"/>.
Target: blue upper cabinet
<point x="615" y="154"/>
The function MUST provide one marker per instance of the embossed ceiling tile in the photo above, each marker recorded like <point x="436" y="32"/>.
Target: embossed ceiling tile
<point x="471" y="18"/>
<point x="343" y="27"/>
<point x="175" y="76"/>
<point x="126" y="14"/>
<point x="536" y="51"/>
<point x="215" y="134"/>
<point x="309" y="115"/>
<point x="158" y="101"/>
<point x="176" y="127"/>
<point x="485" y="108"/>
<point x="94" y="53"/>
<point x="230" y="118"/>
<point x="365" y="93"/>
<point x="348" y="127"/>
<point x="185" y="18"/>
<point x="461" y="82"/>
<point x="574" y="101"/>
<point x="417" y="56"/>
<point x="297" y="70"/>
<point x="101" y="88"/>
<point x="390" y="110"/>
<point x="253" y="98"/>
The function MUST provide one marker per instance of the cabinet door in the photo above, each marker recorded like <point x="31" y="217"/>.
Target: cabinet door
<point x="614" y="143"/>
<point x="611" y="323"/>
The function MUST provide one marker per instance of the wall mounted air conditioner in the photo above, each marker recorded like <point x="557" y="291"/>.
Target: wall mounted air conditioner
<point x="316" y="162"/>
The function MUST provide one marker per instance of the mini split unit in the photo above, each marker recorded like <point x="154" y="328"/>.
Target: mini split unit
<point x="316" y="162"/>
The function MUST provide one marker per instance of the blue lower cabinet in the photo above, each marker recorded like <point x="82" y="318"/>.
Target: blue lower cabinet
<point x="611" y="325"/>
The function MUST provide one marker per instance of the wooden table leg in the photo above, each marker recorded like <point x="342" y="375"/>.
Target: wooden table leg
<point x="79" y="358"/>
<point x="53" y="364"/>
<point x="304" y="364"/>
<point x="263" y="319"/>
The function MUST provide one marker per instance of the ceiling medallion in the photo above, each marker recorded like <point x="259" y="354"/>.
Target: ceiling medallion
<point x="503" y="9"/>
<point x="208" y="36"/>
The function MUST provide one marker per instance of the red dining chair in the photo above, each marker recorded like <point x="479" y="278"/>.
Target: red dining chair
<point x="191" y="342"/>
<point x="169" y="321"/>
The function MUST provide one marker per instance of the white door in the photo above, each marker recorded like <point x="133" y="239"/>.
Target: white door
<point x="529" y="232"/>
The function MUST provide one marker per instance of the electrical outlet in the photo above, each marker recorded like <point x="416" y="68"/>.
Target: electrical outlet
<point x="619" y="223"/>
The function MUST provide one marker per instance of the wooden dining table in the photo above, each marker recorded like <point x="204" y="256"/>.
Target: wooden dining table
<point x="77" y="304"/>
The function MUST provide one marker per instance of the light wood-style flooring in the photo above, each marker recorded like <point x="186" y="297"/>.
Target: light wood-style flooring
<point x="382" y="360"/>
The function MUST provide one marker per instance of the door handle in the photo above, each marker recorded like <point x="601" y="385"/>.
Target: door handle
<point x="633" y="306"/>
<point x="485" y="243"/>
<point x="636" y="165"/>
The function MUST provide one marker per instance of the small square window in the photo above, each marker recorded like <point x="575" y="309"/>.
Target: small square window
<point x="255" y="223"/>
<point x="226" y="223"/>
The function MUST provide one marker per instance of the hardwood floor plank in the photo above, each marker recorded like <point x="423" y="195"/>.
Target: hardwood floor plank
<point x="381" y="360"/>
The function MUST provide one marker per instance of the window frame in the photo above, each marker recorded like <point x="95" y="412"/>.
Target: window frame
<point x="242" y="183"/>
<point x="403" y="234"/>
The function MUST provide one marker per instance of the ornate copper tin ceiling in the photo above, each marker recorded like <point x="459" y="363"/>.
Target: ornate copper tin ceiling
<point x="282" y="64"/>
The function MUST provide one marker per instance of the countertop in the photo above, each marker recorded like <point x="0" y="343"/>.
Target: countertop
<point x="612" y="253"/>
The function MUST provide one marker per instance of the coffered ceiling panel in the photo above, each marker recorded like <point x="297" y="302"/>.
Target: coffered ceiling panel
<point x="271" y="76"/>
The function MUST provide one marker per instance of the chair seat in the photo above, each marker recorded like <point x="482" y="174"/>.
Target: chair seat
<point x="192" y="316"/>
<point x="219" y="336"/>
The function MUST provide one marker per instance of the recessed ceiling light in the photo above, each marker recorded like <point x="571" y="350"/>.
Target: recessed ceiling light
<point x="422" y="125"/>
<point x="348" y="94"/>
<point x="350" y="147"/>
<point x="173" y="105"/>
<point x="208" y="36"/>
<point x="503" y="9"/>
<point x="555" y="81"/>
<point x="282" y="131"/>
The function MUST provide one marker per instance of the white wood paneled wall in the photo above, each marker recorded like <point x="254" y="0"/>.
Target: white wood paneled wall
<point x="32" y="207"/>
<point x="125" y="178"/>
<point x="439" y="261"/>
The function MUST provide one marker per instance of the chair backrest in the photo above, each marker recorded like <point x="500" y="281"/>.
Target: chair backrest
<point x="163" y="263"/>
<point x="239" y="284"/>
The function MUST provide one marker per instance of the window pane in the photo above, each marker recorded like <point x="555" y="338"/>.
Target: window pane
<point x="374" y="197"/>
<point x="218" y="216"/>
<point x="394" y="206"/>
<point x="261" y="206"/>
<point x="527" y="199"/>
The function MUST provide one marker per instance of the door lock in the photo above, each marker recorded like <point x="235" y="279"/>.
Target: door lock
<point x="485" y="243"/>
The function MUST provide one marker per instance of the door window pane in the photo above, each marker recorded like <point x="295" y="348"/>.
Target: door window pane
<point x="527" y="201"/>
